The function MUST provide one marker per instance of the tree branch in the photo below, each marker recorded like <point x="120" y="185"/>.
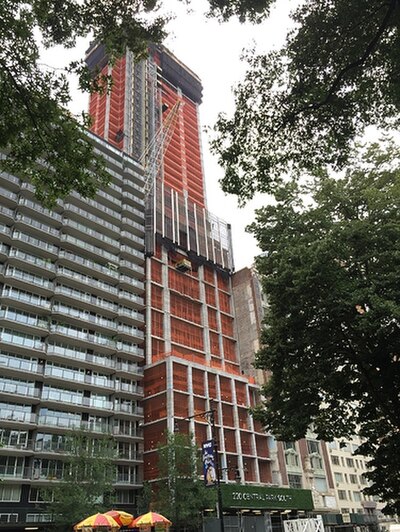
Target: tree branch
<point x="368" y="51"/>
<point x="25" y="103"/>
<point x="339" y="77"/>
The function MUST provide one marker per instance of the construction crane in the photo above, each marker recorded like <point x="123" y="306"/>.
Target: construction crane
<point x="152" y="155"/>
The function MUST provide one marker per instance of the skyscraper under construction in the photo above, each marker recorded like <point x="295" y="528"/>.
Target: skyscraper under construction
<point x="152" y="113"/>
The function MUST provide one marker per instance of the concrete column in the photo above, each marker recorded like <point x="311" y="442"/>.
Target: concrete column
<point x="167" y="301"/>
<point x="170" y="394"/>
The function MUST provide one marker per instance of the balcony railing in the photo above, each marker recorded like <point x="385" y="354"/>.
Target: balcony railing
<point x="35" y="242"/>
<point x="92" y="233"/>
<point x="123" y="294"/>
<point x="130" y="313"/>
<point x="112" y="272"/>
<point x="92" y="249"/>
<point x="18" y="389"/>
<point x="19" y="364"/>
<point x="58" y="421"/>
<point x="25" y="297"/>
<point x="131" y="281"/>
<point x="92" y="217"/>
<point x="38" y="208"/>
<point x="37" y="225"/>
<point x="127" y="221"/>
<point x="14" y="415"/>
<point x="37" y="261"/>
<point x="124" y="347"/>
<point x="131" y="266"/>
<point x="125" y="478"/>
<point x="130" y="368"/>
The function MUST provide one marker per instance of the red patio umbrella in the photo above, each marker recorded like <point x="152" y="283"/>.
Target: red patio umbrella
<point x="98" y="521"/>
<point x="150" y="519"/>
<point x="122" y="518"/>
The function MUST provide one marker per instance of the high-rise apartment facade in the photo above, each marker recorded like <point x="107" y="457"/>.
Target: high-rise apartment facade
<point x="191" y="348"/>
<point x="71" y="333"/>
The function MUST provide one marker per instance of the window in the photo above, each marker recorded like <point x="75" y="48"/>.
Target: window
<point x="38" y="495"/>
<point x="342" y="495"/>
<point x="291" y="456"/>
<point x="315" y="454"/>
<point x="11" y="466"/>
<point x="316" y="462"/>
<point x="125" y="497"/>
<point x="295" y="481"/>
<point x="13" y="438"/>
<point x="320" y="484"/>
<point x="49" y="442"/>
<point x="335" y="460"/>
<point x="349" y="462"/>
<point x="353" y="479"/>
<point x="338" y="477"/>
<point x="356" y="496"/>
<point x="313" y="447"/>
<point x="10" y="493"/>
<point x="291" y="459"/>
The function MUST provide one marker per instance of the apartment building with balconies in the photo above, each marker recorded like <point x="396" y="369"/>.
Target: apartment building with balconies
<point x="71" y="332"/>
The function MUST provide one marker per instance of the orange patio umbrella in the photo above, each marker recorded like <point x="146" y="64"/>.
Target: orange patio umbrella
<point x="97" y="521"/>
<point x="122" y="518"/>
<point x="150" y="519"/>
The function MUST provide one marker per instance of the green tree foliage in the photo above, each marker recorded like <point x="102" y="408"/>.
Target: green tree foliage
<point x="145" y="498"/>
<point x="332" y="331"/>
<point x="44" y="143"/>
<point x="88" y="476"/>
<point x="180" y="494"/>
<point x="302" y="106"/>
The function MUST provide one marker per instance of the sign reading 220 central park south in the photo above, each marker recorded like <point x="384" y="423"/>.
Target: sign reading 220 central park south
<point x="208" y="450"/>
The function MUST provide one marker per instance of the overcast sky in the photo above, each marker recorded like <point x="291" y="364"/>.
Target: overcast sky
<point x="212" y="50"/>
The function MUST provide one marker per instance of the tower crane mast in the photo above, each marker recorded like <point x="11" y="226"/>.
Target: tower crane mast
<point x="151" y="158"/>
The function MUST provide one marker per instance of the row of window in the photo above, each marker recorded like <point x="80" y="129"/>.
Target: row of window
<point x="9" y="493"/>
<point x="19" y="217"/>
<point x="292" y="457"/>
<point x="31" y="364"/>
<point x="59" y="418"/>
<point x="347" y="462"/>
<point x="293" y="461"/>
<point x="350" y="478"/>
<point x="348" y="495"/>
<point x="36" y="342"/>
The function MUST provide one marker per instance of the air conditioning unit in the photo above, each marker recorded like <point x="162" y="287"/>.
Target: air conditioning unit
<point x="183" y="265"/>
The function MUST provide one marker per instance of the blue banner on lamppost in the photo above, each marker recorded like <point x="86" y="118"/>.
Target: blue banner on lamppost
<point x="209" y="472"/>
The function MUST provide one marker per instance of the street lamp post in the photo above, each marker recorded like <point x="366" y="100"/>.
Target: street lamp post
<point x="211" y="420"/>
<point x="217" y="467"/>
